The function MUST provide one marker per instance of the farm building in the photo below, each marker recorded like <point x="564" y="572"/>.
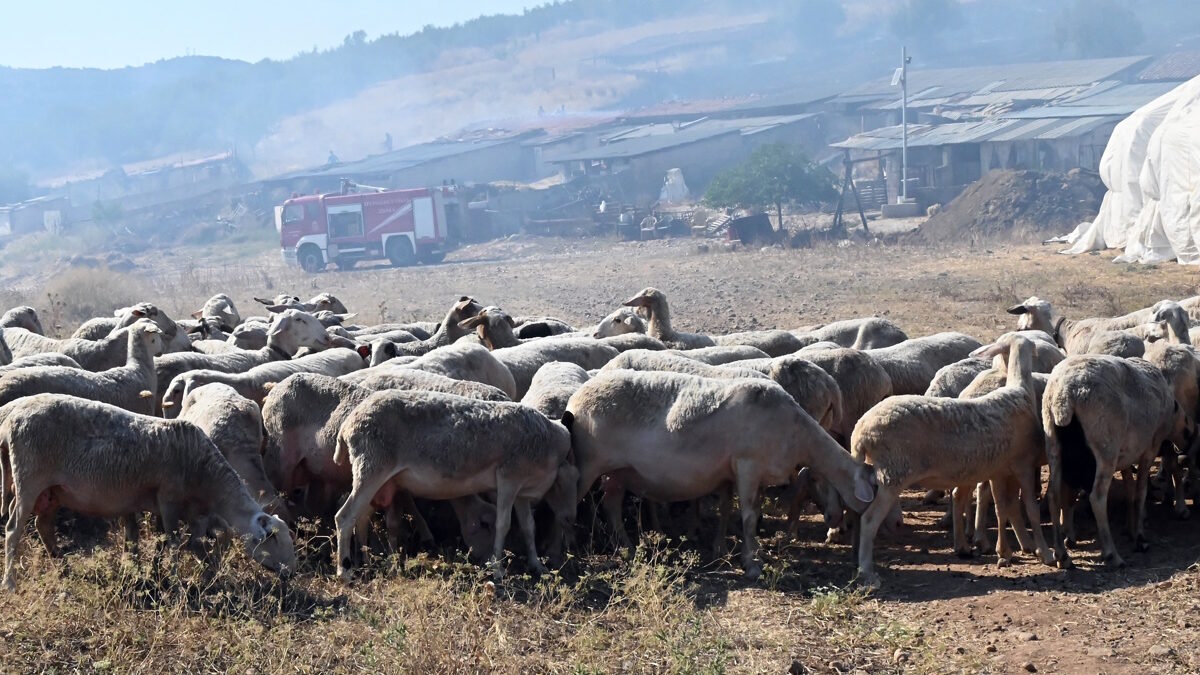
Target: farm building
<point x="34" y="215"/>
<point x="701" y="148"/>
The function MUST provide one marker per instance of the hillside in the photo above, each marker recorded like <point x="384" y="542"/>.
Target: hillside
<point x="581" y="56"/>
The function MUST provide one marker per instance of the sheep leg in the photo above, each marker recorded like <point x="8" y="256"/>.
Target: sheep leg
<point x="868" y="526"/>
<point x="506" y="494"/>
<point x="1129" y="484"/>
<point x="1172" y="467"/>
<point x="748" y="498"/>
<point x="132" y="532"/>
<point x="405" y="499"/>
<point x="44" y="522"/>
<point x="798" y="493"/>
<point x="361" y="494"/>
<point x="1099" y="501"/>
<point x="525" y="521"/>
<point x="612" y="500"/>
<point x="1054" y="495"/>
<point x="960" y="500"/>
<point x="1002" y="492"/>
<point x="983" y="502"/>
<point x="1030" y="481"/>
<point x="724" y="506"/>
<point x="17" y="516"/>
<point x="1140" y="544"/>
<point x="1009" y="513"/>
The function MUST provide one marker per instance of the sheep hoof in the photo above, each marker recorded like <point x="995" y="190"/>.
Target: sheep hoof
<point x="539" y="569"/>
<point x="344" y="575"/>
<point x="1070" y="541"/>
<point x="1063" y="561"/>
<point x="1114" y="561"/>
<point x="1004" y="562"/>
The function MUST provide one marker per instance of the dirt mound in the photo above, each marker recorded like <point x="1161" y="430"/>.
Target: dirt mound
<point x="1019" y="206"/>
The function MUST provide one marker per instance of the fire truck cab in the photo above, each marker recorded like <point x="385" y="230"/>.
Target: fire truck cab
<point x="402" y="226"/>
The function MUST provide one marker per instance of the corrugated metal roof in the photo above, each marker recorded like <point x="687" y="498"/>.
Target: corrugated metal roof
<point x="1177" y="66"/>
<point x="1012" y="77"/>
<point x="397" y="160"/>
<point x="990" y="130"/>
<point x="644" y="139"/>
<point x="1127" y="95"/>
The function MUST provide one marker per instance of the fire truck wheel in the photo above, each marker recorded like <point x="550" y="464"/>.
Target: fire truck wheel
<point x="310" y="259"/>
<point x="400" y="252"/>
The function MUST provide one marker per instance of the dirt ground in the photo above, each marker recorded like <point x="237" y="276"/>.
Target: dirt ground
<point x="667" y="609"/>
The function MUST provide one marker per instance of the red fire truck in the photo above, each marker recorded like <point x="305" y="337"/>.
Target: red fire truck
<point x="402" y="226"/>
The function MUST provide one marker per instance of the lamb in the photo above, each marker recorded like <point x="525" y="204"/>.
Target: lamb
<point x="447" y="333"/>
<point x="717" y="356"/>
<point x="1102" y="413"/>
<point x="221" y="308"/>
<point x="100" y="460"/>
<point x="94" y="355"/>
<point x="867" y="333"/>
<point x="254" y="383"/>
<point x="525" y="360"/>
<point x="675" y="437"/>
<point x="653" y="304"/>
<point x="912" y="364"/>
<point x="235" y="426"/>
<point x="131" y="386"/>
<point x="948" y="443"/>
<point x="290" y="332"/>
<point x="22" y="317"/>
<point x="552" y="386"/>
<point x="441" y="446"/>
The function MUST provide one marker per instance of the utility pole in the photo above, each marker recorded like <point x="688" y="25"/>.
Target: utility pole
<point x="904" y="124"/>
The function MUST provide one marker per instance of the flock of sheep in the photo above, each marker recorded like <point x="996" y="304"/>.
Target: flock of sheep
<point x="238" y="426"/>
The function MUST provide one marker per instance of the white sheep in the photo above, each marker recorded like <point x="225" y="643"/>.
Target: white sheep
<point x="552" y="386"/>
<point x="653" y="304"/>
<point x="524" y="360"/>
<point x="221" y="308"/>
<point x="131" y="386"/>
<point x="949" y="443"/>
<point x="912" y="364"/>
<point x="95" y="355"/>
<point x="449" y="330"/>
<point x="100" y="460"/>
<point x="22" y="317"/>
<point x="441" y="446"/>
<point x="1084" y="336"/>
<point x="866" y="333"/>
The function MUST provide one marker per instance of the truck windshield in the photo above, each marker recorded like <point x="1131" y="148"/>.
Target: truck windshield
<point x="293" y="213"/>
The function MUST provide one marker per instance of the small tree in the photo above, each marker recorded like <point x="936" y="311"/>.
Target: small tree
<point x="773" y="176"/>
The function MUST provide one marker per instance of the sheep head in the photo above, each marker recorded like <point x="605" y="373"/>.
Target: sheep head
<point x="270" y="543"/>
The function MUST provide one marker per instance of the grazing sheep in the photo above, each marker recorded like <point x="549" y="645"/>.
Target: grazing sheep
<point x="22" y="317"/>
<point x="1102" y="413"/>
<point x="718" y="356"/>
<point x="867" y="333"/>
<point x="773" y="342"/>
<point x="912" y="364"/>
<point x="951" y="443"/>
<point x="253" y="383"/>
<point x="220" y="307"/>
<point x="653" y="304"/>
<point x="131" y="386"/>
<point x="524" y="361"/>
<point x="675" y="437"/>
<point x="94" y="355"/>
<point x="235" y="426"/>
<point x="99" y="460"/>
<point x="449" y="330"/>
<point x="621" y="322"/>
<point x="290" y="332"/>
<point x="440" y="446"/>
<point x="552" y="386"/>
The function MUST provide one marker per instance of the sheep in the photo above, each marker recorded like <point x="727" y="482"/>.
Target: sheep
<point x="221" y="308"/>
<point x="675" y="437"/>
<point x="950" y="380"/>
<point x="204" y="328"/>
<point x="818" y="347"/>
<point x="235" y="426"/>
<point x="48" y="359"/>
<point x="528" y="327"/>
<point x="448" y="331"/>
<point x="215" y="347"/>
<point x="101" y="460"/>
<point x="773" y="342"/>
<point x="249" y="335"/>
<point x="419" y="380"/>
<point x="717" y="356"/>
<point x="524" y="360"/>
<point x="131" y="386"/>
<point x="290" y="332"/>
<point x="621" y="322"/>
<point x="94" y="329"/>
<point x="1085" y="336"/>
<point x="653" y="304"/>
<point x="861" y="381"/>
<point x="461" y="362"/>
<point x="441" y="446"/>
<point x="253" y="383"/>
<point x="623" y="343"/>
<point x="948" y="443"/>
<point x="867" y="333"/>
<point x="552" y="386"/>
<point x="912" y="364"/>
<point x="1181" y="369"/>
<point x="6" y="356"/>
<point x="494" y="328"/>
<point x="421" y="330"/>
<point x="1102" y="413"/>
<point x="22" y="317"/>
<point x="94" y="355"/>
<point x="321" y="301"/>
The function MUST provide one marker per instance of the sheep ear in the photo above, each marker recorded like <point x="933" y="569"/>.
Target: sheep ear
<point x="988" y="351"/>
<point x="472" y="322"/>
<point x="265" y="302"/>
<point x="197" y="314"/>
<point x="511" y="322"/>
<point x="343" y="318"/>
<point x="276" y="308"/>
<point x="1018" y="309"/>
<point x="635" y="301"/>
<point x="864" y="484"/>
<point x="364" y="351"/>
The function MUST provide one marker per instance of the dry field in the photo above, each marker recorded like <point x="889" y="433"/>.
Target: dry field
<point x="667" y="607"/>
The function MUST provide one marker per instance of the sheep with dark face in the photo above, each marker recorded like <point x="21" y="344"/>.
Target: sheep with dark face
<point x="99" y="460"/>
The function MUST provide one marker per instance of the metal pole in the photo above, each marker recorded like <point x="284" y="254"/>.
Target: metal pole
<point x="904" y="124"/>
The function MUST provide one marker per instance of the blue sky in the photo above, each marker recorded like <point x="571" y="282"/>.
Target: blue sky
<point x="116" y="33"/>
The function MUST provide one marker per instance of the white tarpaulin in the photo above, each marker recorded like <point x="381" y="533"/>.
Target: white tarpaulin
<point x="1151" y="168"/>
<point x="674" y="190"/>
